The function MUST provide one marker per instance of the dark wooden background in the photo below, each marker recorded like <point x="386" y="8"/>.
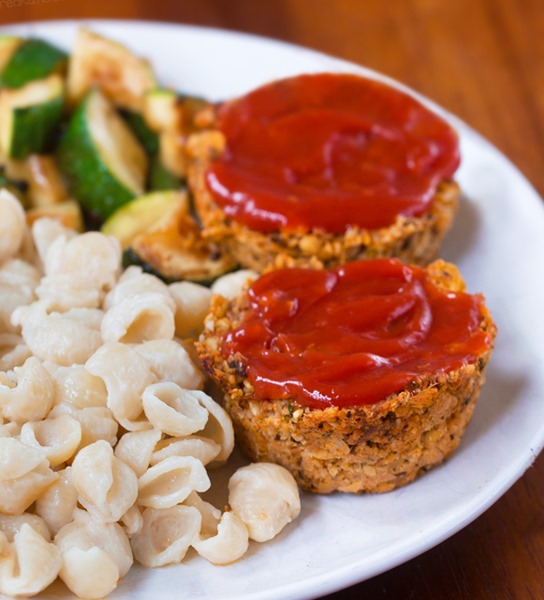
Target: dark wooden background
<point x="484" y="61"/>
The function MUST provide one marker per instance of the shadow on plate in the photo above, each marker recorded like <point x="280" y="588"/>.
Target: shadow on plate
<point x="498" y="397"/>
<point x="460" y="239"/>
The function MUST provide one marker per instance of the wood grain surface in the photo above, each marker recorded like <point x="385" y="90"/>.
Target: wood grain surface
<point x="484" y="61"/>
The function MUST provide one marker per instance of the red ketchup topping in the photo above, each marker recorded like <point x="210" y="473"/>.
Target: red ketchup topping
<point x="328" y="151"/>
<point x="353" y="335"/>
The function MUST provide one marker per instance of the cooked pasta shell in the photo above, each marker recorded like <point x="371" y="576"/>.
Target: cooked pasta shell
<point x="99" y="255"/>
<point x="11" y="429"/>
<point x="12" y="225"/>
<point x="31" y="565"/>
<point x="138" y="319"/>
<point x="92" y="260"/>
<point x="61" y="293"/>
<point x="13" y="350"/>
<point x="77" y="386"/>
<point x="32" y="396"/>
<point x="229" y="543"/>
<point x="170" y="361"/>
<point x="17" y="458"/>
<point x="64" y="338"/>
<point x="231" y="284"/>
<point x="211" y="516"/>
<point x="173" y="410"/>
<point x="45" y="232"/>
<point x="11" y="524"/>
<point x="201" y="448"/>
<point x="106" y="486"/>
<point x="192" y="303"/>
<point x="20" y="276"/>
<point x="218" y="428"/>
<point x="95" y="555"/>
<point x="126" y="374"/>
<point x="91" y="573"/>
<point x="86" y="532"/>
<point x="135" y="449"/>
<point x="58" y="437"/>
<point x="166" y="535"/>
<point x="56" y="506"/>
<point x="139" y="424"/>
<point x="132" y="521"/>
<point x="18" y="282"/>
<point x="133" y="282"/>
<point x="97" y="422"/>
<point x="265" y="496"/>
<point x="170" y="481"/>
<point x="16" y="495"/>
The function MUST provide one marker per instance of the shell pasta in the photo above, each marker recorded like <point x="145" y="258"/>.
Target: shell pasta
<point x="106" y="433"/>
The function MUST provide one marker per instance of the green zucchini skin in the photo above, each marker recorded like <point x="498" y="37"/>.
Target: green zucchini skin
<point x="34" y="128"/>
<point x="34" y="59"/>
<point x="160" y="179"/>
<point x="146" y="136"/>
<point x="88" y="177"/>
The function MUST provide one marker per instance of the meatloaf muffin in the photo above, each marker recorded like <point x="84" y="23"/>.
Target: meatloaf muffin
<point x="325" y="169"/>
<point x="332" y="430"/>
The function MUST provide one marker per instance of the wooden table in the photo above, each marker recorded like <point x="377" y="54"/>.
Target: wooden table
<point x="484" y="61"/>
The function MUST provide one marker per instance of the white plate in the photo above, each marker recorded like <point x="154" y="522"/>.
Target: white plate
<point x="498" y="243"/>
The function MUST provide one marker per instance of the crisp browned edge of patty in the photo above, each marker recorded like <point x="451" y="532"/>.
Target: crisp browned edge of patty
<point x="367" y="448"/>
<point x="415" y="240"/>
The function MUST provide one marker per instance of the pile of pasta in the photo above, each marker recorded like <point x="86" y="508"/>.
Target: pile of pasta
<point x="105" y="433"/>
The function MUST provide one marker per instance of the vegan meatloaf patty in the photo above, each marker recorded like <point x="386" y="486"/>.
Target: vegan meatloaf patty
<point x="325" y="169"/>
<point x="370" y="445"/>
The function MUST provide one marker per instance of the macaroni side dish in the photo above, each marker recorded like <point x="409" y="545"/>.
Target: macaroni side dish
<point x="106" y="434"/>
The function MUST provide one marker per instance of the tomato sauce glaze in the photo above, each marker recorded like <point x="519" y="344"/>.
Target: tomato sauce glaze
<point x="353" y="335"/>
<point x="329" y="151"/>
